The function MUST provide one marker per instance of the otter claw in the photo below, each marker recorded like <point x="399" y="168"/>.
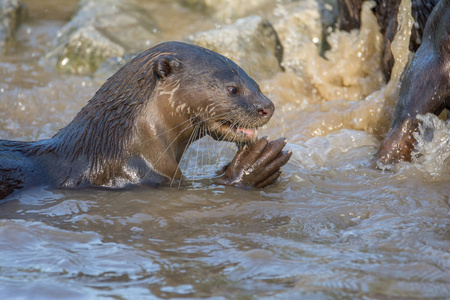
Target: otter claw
<point x="270" y="180"/>
<point x="254" y="152"/>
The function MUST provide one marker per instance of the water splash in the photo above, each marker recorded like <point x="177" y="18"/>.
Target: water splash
<point x="433" y="145"/>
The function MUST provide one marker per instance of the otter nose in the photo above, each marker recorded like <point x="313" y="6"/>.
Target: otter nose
<point x="266" y="110"/>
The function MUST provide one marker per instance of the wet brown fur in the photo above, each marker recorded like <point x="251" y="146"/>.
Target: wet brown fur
<point x="425" y="87"/>
<point x="139" y="123"/>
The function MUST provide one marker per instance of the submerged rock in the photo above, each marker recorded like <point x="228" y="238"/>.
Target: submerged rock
<point x="101" y="29"/>
<point x="250" y="42"/>
<point x="12" y="13"/>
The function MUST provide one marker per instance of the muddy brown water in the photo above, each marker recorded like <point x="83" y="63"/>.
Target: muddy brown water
<point x="332" y="228"/>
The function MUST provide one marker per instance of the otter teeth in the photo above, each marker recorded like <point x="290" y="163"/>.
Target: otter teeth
<point x="249" y="132"/>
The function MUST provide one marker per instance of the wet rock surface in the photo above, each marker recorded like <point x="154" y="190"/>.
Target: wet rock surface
<point x="105" y="29"/>
<point x="101" y="29"/>
<point x="300" y="23"/>
<point x="251" y="42"/>
<point x="227" y="10"/>
<point x="12" y="13"/>
<point x="117" y="29"/>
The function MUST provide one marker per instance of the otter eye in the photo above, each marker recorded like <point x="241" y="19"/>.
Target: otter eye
<point x="233" y="90"/>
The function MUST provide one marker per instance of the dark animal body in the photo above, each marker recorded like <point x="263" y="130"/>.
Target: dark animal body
<point x="425" y="82"/>
<point x="386" y="12"/>
<point x="136" y="128"/>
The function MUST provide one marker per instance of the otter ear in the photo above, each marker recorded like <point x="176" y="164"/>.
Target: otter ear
<point x="166" y="66"/>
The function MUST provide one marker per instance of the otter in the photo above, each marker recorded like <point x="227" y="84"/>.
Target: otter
<point x="425" y="88"/>
<point x="137" y="126"/>
<point x="386" y="12"/>
<point x="425" y="82"/>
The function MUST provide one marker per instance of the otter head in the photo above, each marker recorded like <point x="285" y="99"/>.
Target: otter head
<point x="214" y="93"/>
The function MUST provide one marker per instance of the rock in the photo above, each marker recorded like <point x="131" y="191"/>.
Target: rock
<point x="349" y="69"/>
<point x="101" y="29"/>
<point x="228" y="10"/>
<point x="86" y="49"/>
<point x="250" y="42"/>
<point x="303" y="23"/>
<point x="12" y="13"/>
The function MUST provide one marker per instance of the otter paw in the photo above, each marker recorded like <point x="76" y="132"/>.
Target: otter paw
<point x="258" y="165"/>
<point x="397" y="146"/>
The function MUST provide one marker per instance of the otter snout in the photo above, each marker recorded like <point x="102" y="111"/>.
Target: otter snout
<point x="265" y="108"/>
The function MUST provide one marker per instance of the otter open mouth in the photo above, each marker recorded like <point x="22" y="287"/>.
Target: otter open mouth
<point x="230" y="131"/>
